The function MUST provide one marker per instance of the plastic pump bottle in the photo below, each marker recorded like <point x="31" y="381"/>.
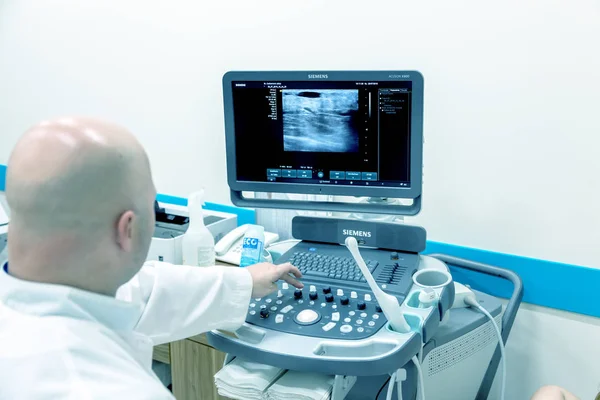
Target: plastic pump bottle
<point x="198" y="244"/>
<point x="253" y="245"/>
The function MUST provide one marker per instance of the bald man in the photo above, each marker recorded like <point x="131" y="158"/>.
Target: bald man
<point x="552" y="392"/>
<point x="80" y="312"/>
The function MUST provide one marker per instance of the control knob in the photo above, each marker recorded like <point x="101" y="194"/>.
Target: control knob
<point x="329" y="297"/>
<point x="313" y="295"/>
<point x="378" y="308"/>
<point x="361" y="305"/>
<point x="326" y="290"/>
<point x="344" y="300"/>
<point x="298" y="294"/>
<point x="394" y="255"/>
<point x="264" y="313"/>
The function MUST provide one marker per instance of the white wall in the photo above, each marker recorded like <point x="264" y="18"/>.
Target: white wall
<point x="512" y="91"/>
<point x="511" y="120"/>
<point x="548" y="346"/>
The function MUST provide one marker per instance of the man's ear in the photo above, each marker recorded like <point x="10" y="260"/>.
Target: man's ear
<point x="125" y="230"/>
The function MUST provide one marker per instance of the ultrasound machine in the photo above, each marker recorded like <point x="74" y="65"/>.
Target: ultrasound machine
<point x="375" y="312"/>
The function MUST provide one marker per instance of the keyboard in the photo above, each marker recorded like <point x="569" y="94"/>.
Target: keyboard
<point x="329" y="266"/>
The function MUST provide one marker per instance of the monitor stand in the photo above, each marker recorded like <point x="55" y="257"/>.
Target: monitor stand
<point x="379" y="201"/>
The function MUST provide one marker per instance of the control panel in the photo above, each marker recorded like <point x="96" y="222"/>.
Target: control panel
<point x="327" y="311"/>
<point x="335" y="302"/>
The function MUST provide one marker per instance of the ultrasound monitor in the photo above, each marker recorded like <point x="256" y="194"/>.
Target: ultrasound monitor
<point x="342" y="133"/>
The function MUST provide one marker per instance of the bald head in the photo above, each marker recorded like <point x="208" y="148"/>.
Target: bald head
<point x="69" y="183"/>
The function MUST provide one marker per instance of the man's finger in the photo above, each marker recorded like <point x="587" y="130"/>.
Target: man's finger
<point x="289" y="268"/>
<point x="292" y="281"/>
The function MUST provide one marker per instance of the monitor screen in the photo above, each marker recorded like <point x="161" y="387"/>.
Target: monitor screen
<point x="339" y="135"/>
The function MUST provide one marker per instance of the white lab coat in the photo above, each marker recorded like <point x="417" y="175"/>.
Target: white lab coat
<point x="58" y="342"/>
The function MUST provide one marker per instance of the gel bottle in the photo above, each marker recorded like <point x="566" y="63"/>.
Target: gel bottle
<point x="253" y="245"/>
<point x="197" y="244"/>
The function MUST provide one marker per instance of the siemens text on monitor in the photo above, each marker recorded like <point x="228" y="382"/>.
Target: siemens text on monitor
<point x="339" y="133"/>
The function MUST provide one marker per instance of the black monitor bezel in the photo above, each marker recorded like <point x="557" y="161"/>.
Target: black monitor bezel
<point x="416" y="148"/>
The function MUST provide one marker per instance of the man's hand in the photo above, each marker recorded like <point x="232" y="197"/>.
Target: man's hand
<point x="266" y="275"/>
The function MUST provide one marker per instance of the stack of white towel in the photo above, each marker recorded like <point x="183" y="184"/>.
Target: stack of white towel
<point x="301" y="386"/>
<point x="245" y="380"/>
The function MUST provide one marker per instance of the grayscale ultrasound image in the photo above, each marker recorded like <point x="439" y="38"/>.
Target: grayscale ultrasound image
<point x="320" y="120"/>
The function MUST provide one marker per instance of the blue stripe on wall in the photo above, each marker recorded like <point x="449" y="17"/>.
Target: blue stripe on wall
<point x="2" y="176"/>
<point x="550" y="284"/>
<point x="546" y="283"/>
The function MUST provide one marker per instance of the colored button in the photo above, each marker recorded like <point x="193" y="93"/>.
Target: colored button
<point x="354" y="295"/>
<point x="369" y="176"/>
<point x="304" y="174"/>
<point x="279" y="318"/>
<point x="252" y="312"/>
<point x="375" y="316"/>
<point x="345" y="329"/>
<point x="351" y="313"/>
<point x="335" y="316"/>
<point x="367" y="297"/>
<point x="371" y="323"/>
<point x="337" y="175"/>
<point x="363" y="315"/>
<point x="252" y="305"/>
<point x="285" y="286"/>
<point x="359" y="321"/>
<point x="340" y="292"/>
<point x="273" y="308"/>
<point x="273" y="173"/>
<point x="288" y="173"/>
<point x="286" y="309"/>
<point x="278" y="302"/>
<point x="347" y="320"/>
<point x="353" y="176"/>
<point x="268" y="301"/>
<point x="360" y="330"/>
